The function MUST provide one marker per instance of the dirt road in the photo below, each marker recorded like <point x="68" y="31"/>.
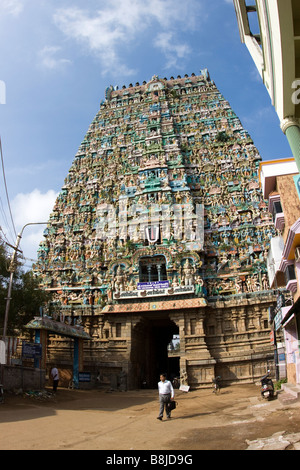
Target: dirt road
<point x="99" y="420"/>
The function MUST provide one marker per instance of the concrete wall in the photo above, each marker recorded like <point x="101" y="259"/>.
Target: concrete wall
<point x="25" y="378"/>
<point x="289" y="201"/>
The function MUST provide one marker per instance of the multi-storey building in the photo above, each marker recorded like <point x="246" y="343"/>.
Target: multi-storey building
<point x="158" y="240"/>
<point x="271" y="31"/>
<point x="280" y="185"/>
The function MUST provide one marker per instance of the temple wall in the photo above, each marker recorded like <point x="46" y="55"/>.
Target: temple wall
<point x="226" y="338"/>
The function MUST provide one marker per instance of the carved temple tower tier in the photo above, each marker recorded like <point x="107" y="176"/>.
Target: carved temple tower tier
<point x="157" y="242"/>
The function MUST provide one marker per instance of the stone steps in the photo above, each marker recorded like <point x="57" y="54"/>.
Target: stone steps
<point x="290" y="393"/>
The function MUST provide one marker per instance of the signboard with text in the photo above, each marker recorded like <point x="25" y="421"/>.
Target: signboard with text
<point x="153" y="285"/>
<point x="31" y="350"/>
<point x="84" y="376"/>
<point x="154" y="292"/>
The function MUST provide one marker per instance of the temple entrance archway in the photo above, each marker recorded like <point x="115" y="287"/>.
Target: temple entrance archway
<point x="151" y="351"/>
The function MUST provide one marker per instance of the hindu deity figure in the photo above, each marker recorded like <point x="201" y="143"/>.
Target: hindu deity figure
<point x="119" y="280"/>
<point x="187" y="275"/>
<point x="199" y="284"/>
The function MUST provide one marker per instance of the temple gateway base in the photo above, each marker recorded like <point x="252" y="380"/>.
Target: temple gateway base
<point x="132" y="343"/>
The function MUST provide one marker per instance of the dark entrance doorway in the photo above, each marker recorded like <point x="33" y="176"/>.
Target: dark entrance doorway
<point x="151" y="353"/>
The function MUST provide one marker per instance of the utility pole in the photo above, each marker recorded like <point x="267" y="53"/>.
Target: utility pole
<point x="11" y="269"/>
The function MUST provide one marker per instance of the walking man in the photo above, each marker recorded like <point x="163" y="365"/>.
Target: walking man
<point x="166" y="393"/>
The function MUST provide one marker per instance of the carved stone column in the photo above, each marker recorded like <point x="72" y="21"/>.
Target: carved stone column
<point x="219" y="318"/>
<point x="242" y="322"/>
<point x="235" y="319"/>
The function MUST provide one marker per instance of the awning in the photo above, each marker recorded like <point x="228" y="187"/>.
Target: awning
<point x="294" y="309"/>
<point x="56" y="327"/>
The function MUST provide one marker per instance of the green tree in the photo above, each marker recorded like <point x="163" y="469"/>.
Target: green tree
<point x="26" y="297"/>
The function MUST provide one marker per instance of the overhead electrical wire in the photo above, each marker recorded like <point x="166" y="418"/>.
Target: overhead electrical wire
<point x="21" y="254"/>
<point x="6" y="191"/>
<point x="6" y="223"/>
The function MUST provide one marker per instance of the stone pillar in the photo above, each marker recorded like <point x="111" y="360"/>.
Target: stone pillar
<point x="77" y="360"/>
<point x="291" y="129"/>
<point x="257" y="317"/>
<point x="200" y="326"/>
<point x="41" y="338"/>
<point x="242" y="322"/>
<point x="235" y="318"/>
<point x="219" y="318"/>
<point x="158" y="266"/>
<point x="100" y="326"/>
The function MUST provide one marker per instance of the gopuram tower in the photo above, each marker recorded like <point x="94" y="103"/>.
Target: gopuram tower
<point x="160" y="231"/>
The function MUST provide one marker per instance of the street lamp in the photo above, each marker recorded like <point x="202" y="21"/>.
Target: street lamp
<point x="12" y="268"/>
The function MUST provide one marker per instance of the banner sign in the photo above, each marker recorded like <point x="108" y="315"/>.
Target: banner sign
<point x="84" y="376"/>
<point x="31" y="350"/>
<point x="154" y="292"/>
<point x="153" y="285"/>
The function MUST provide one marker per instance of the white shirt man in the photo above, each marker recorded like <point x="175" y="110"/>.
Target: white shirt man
<point x="166" y="393"/>
<point x="165" y="387"/>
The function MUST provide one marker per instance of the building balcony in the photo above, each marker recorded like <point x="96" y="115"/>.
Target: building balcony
<point x="276" y="209"/>
<point x="290" y="277"/>
<point x="292" y="285"/>
<point x="278" y="219"/>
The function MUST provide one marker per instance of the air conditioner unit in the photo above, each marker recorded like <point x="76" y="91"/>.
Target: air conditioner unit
<point x="297" y="254"/>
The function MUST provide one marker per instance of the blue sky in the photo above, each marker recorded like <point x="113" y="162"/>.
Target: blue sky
<point x="57" y="59"/>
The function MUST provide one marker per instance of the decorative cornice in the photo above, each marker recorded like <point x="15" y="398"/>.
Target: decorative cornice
<point x="273" y="198"/>
<point x="155" y="306"/>
<point x="289" y="122"/>
<point x="292" y="285"/>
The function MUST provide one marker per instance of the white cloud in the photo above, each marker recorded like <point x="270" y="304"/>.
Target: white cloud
<point x="32" y="208"/>
<point x="122" y="22"/>
<point x="173" y="50"/>
<point x="12" y="7"/>
<point x="48" y="57"/>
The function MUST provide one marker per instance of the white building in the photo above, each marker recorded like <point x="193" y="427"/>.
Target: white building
<point x="279" y="182"/>
<point x="274" y="45"/>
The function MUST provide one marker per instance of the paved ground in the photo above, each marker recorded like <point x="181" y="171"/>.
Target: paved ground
<point x="236" y="419"/>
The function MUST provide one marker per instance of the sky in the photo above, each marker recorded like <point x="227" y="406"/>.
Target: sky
<point x="58" y="57"/>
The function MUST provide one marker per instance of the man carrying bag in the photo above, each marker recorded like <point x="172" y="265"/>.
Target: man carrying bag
<point x="166" y="394"/>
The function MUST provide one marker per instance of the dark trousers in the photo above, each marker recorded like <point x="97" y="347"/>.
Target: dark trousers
<point x="55" y="384"/>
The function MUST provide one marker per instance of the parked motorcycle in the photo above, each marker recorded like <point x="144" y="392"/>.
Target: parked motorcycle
<point x="267" y="387"/>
